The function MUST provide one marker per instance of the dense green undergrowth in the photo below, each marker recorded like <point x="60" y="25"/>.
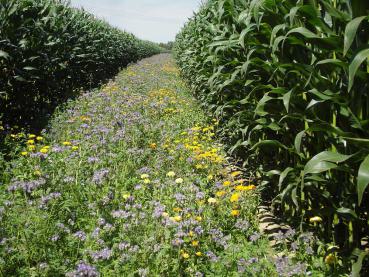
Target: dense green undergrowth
<point x="288" y="81"/>
<point x="129" y="180"/>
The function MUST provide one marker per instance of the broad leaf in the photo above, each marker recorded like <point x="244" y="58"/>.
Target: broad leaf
<point x="355" y="64"/>
<point x="363" y="179"/>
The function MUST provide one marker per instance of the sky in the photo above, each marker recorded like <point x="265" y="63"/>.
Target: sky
<point x="154" y="20"/>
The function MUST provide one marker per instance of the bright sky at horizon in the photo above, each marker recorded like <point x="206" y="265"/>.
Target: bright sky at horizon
<point x="154" y="20"/>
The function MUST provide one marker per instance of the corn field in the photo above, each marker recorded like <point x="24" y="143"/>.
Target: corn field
<point x="289" y="81"/>
<point x="49" y="50"/>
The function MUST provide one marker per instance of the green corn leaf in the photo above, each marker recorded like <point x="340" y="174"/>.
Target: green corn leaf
<point x="350" y="32"/>
<point x="283" y="176"/>
<point x="346" y="212"/>
<point x="356" y="267"/>
<point x="355" y="64"/>
<point x="298" y="140"/>
<point x="272" y="143"/>
<point x="303" y="31"/>
<point x="4" y="54"/>
<point x="363" y="179"/>
<point x="324" y="161"/>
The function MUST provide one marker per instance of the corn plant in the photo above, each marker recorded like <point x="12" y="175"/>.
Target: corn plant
<point x="289" y="82"/>
<point x="48" y="50"/>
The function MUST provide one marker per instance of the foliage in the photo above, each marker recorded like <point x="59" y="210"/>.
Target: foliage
<point x="48" y="50"/>
<point x="129" y="181"/>
<point x="289" y="82"/>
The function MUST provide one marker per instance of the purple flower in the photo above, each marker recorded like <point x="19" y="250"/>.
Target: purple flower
<point x="84" y="270"/>
<point x="99" y="176"/>
<point x="243" y="225"/>
<point x="212" y="257"/>
<point x="254" y="237"/>
<point x="80" y="235"/>
<point x="104" y="254"/>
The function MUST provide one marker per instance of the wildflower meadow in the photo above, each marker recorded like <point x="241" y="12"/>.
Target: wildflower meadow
<point x="145" y="162"/>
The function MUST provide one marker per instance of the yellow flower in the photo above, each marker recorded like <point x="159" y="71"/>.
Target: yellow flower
<point x="195" y="243"/>
<point x="31" y="136"/>
<point x="315" y="219"/>
<point x="67" y="143"/>
<point x="44" y="150"/>
<point x="227" y="183"/>
<point x="75" y="148"/>
<point x="177" y="218"/>
<point x="198" y="254"/>
<point x="185" y="255"/>
<point x="30" y="141"/>
<point x="126" y="196"/>
<point x="146" y="181"/>
<point x="191" y="233"/>
<point x="37" y="173"/>
<point x="177" y="209"/>
<point x="144" y="176"/>
<point x="31" y="147"/>
<point x="212" y="200"/>
<point x="244" y="188"/>
<point x="235" y="212"/>
<point x="235" y="197"/>
<point x="236" y="173"/>
<point x="179" y="181"/>
<point x="330" y="259"/>
<point x="171" y="174"/>
<point x="198" y="218"/>
<point x="164" y="214"/>
<point x="220" y="193"/>
<point x="152" y="145"/>
<point x="39" y="138"/>
<point x="24" y="153"/>
<point x="210" y="177"/>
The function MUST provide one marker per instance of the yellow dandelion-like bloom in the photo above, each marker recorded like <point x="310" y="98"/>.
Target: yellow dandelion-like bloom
<point x="195" y="243"/>
<point x="177" y="218"/>
<point x="236" y="173"/>
<point x="152" y="145"/>
<point x="227" y="183"/>
<point x="75" y="148"/>
<point x="39" y="138"/>
<point x="31" y="136"/>
<point x="235" y="197"/>
<point x="30" y="141"/>
<point x="67" y="143"/>
<point x="126" y="196"/>
<point x="191" y="233"/>
<point x="198" y="218"/>
<point x="179" y="181"/>
<point x="31" y="147"/>
<point x="145" y="176"/>
<point x="177" y="209"/>
<point x="44" y="150"/>
<point x="147" y="181"/>
<point x="198" y="254"/>
<point x="37" y="173"/>
<point x="235" y="212"/>
<point x="315" y="219"/>
<point x="24" y="153"/>
<point x="330" y="259"/>
<point x="212" y="200"/>
<point x="185" y="255"/>
<point x="171" y="174"/>
<point x="220" y="193"/>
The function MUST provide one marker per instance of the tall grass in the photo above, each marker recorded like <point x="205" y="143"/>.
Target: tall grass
<point x="289" y="81"/>
<point x="49" y="49"/>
